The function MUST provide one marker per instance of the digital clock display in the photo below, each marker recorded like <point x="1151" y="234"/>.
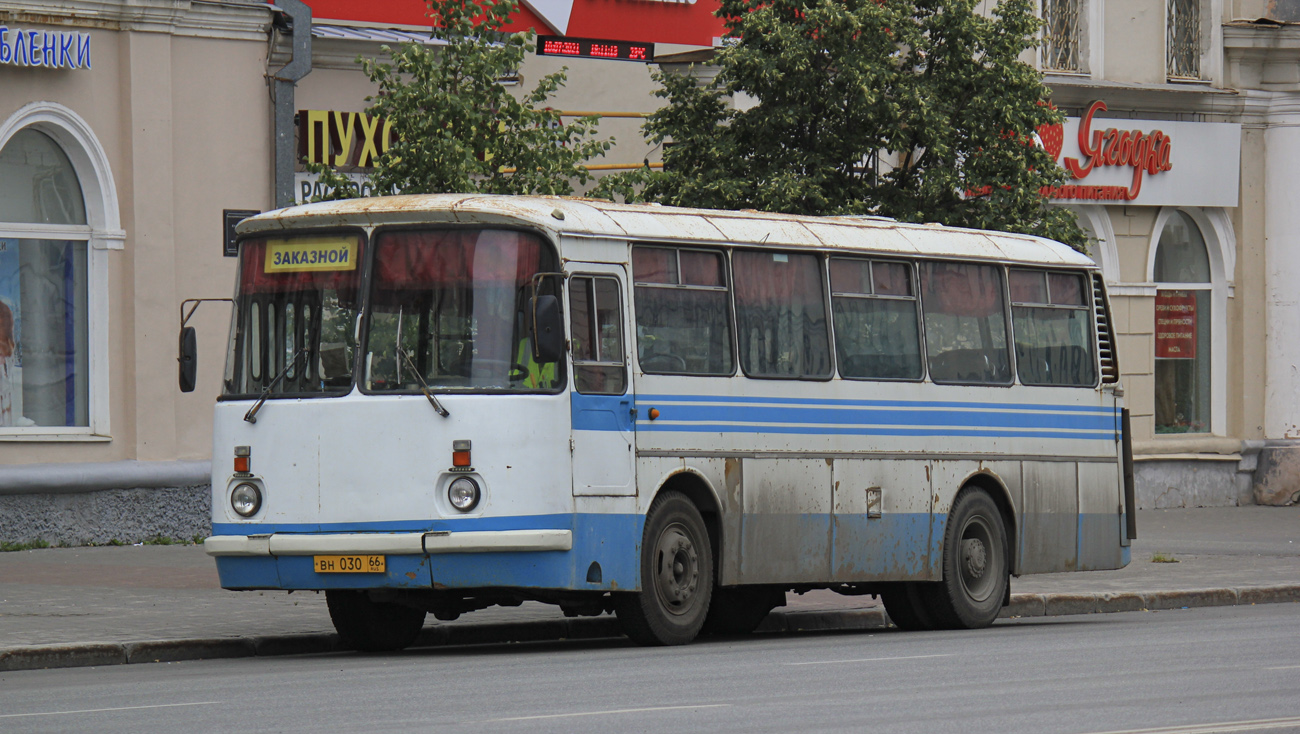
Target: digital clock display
<point x="593" y="48"/>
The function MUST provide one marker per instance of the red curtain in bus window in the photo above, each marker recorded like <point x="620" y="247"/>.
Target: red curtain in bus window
<point x="654" y="265"/>
<point x="1067" y="289"/>
<point x="702" y="268"/>
<point x="850" y="276"/>
<point x="962" y="289"/>
<point x="891" y="279"/>
<point x="781" y="314"/>
<point x="433" y="258"/>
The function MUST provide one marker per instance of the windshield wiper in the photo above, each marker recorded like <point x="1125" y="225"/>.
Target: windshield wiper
<point x="424" y="386"/>
<point x="251" y="415"/>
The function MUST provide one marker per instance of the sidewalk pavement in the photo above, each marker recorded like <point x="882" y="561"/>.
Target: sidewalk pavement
<point x="62" y="607"/>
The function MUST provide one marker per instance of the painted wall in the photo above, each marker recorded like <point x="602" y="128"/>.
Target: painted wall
<point x="161" y="107"/>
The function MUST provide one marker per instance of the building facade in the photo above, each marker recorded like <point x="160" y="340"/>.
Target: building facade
<point x="127" y="129"/>
<point x="1185" y="113"/>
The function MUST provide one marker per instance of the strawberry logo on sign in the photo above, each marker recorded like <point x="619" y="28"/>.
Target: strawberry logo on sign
<point x="1053" y="139"/>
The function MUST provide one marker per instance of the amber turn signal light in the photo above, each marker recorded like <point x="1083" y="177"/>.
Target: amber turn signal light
<point x="242" y="460"/>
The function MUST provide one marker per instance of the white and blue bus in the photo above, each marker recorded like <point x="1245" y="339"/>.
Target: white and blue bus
<point x="443" y="403"/>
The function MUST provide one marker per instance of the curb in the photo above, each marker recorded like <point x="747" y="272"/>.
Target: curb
<point x="77" y="655"/>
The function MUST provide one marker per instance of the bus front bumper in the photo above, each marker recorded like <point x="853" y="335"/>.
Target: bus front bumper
<point x="533" y="558"/>
<point x="444" y="541"/>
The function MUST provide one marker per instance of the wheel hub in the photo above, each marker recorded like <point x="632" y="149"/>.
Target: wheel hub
<point x="976" y="557"/>
<point x="678" y="569"/>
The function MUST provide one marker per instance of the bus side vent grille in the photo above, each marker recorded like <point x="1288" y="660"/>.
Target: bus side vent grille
<point x="1105" y="332"/>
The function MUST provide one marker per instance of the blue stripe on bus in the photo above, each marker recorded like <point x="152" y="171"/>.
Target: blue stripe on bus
<point x="641" y="397"/>
<point x="877" y="417"/>
<point x="823" y="416"/>
<point x="867" y="431"/>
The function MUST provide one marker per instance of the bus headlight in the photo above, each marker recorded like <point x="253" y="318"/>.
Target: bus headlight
<point x="463" y="494"/>
<point x="246" y="499"/>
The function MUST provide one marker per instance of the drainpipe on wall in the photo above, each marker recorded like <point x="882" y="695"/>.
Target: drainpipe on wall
<point x="284" y="80"/>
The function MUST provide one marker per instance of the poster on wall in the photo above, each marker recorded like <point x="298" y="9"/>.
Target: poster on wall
<point x="11" y="366"/>
<point x="1175" y="325"/>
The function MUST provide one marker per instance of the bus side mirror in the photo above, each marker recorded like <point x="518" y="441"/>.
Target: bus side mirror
<point x="548" y="330"/>
<point x="188" y="359"/>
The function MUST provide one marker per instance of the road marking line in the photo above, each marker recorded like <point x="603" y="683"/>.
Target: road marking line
<point x="871" y="660"/>
<point x="1283" y="667"/>
<point x="119" y="708"/>
<point x="612" y="711"/>
<point x="1226" y="726"/>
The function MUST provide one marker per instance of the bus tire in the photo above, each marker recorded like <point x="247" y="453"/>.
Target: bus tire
<point x="905" y="605"/>
<point x="676" y="576"/>
<point x="372" y="626"/>
<point x="740" y="610"/>
<point x="976" y="568"/>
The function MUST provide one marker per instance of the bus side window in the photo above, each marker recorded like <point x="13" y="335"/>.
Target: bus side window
<point x="1053" y="329"/>
<point x="781" y="314"/>
<point x="965" y="323"/>
<point x="877" y="329"/>
<point x="683" y="315"/>
<point x="596" y="322"/>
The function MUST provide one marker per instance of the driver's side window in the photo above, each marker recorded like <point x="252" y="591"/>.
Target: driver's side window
<point x="683" y="311"/>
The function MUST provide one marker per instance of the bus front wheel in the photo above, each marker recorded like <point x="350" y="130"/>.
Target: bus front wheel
<point x="976" y="569"/>
<point x="372" y="626"/>
<point x="676" y="576"/>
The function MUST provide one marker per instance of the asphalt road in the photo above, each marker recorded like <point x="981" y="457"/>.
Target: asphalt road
<point x="1169" y="671"/>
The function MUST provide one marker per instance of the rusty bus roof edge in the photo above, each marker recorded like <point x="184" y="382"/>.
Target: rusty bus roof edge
<point x="594" y="218"/>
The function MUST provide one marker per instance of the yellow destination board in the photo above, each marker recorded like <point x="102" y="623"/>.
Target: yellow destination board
<point x="302" y="254"/>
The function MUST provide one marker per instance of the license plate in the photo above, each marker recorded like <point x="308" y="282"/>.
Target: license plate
<point x="349" y="564"/>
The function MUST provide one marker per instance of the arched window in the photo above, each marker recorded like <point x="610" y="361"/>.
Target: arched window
<point x="44" y="286"/>
<point x="1184" y="321"/>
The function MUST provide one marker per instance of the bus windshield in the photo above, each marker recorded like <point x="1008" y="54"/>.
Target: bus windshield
<point x="448" y="311"/>
<point x="295" y="315"/>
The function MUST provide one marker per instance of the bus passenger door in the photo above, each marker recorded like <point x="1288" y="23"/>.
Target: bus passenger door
<point x="602" y="401"/>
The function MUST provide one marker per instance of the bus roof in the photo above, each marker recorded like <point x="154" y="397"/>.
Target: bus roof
<point x="594" y="218"/>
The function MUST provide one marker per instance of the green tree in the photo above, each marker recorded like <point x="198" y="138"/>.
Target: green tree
<point x="932" y="88"/>
<point x="458" y="129"/>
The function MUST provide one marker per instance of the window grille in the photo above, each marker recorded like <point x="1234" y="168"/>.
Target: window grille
<point x="1184" y="39"/>
<point x="1060" y="48"/>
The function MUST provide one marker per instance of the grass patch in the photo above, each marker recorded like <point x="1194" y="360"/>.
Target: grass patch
<point x="162" y="540"/>
<point x="1163" y="558"/>
<point x="7" y="547"/>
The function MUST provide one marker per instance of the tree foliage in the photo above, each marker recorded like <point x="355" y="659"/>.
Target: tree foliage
<point x="932" y="87"/>
<point x="459" y="130"/>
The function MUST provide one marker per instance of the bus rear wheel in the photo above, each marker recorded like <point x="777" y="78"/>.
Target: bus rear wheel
<point x="372" y="626"/>
<point x="976" y="568"/>
<point x="676" y="576"/>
